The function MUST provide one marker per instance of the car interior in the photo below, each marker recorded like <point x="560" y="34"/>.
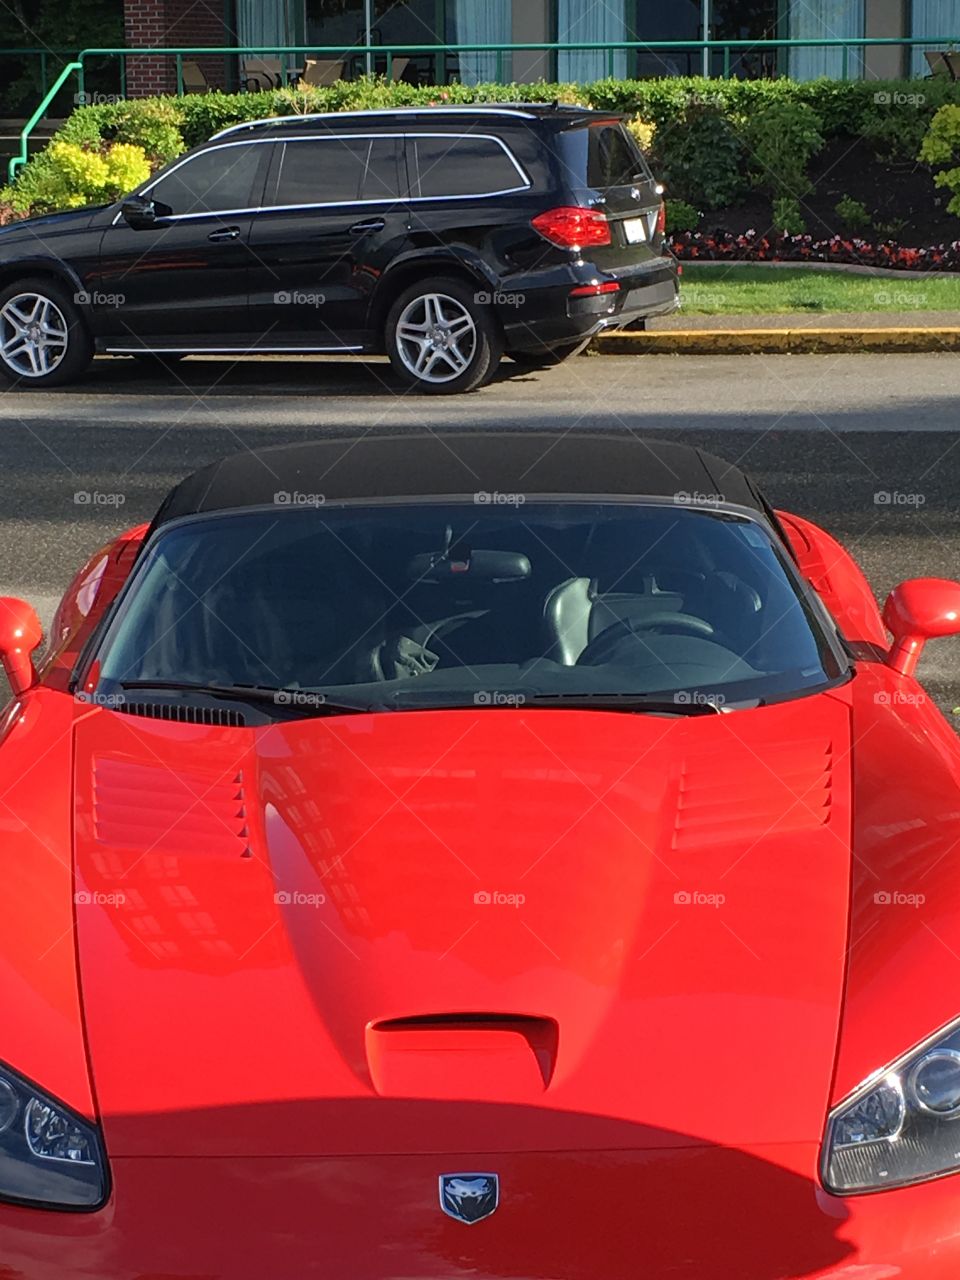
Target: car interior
<point x="550" y="596"/>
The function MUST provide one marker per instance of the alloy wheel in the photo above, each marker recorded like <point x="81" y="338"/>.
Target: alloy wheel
<point x="436" y="337"/>
<point x="33" y="335"/>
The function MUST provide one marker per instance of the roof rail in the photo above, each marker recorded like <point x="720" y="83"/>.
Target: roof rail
<point x="481" y="107"/>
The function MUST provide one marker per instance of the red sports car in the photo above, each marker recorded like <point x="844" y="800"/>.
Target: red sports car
<point x="478" y="855"/>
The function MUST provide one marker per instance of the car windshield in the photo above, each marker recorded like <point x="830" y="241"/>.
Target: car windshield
<point x="474" y="603"/>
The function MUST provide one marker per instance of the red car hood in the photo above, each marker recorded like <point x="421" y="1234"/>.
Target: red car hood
<point x="596" y="921"/>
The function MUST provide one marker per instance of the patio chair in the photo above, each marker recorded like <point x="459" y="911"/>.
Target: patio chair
<point x="261" y="73"/>
<point x="938" y="64"/>
<point x="399" y="67"/>
<point x="322" y="71"/>
<point x="194" y="81"/>
<point x="952" y="60"/>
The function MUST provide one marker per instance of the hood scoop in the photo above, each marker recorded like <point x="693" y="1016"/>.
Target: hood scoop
<point x="780" y="787"/>
<point x="163" y="810"/>
<point x="496" y="1057"/>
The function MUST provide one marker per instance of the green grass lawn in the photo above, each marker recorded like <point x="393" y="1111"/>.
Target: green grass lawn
<point x="746" y="290"/>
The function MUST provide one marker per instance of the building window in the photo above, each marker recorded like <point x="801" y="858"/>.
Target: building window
<point x="598" y="21"/>
<point x="342" y="23"/>
<point x="933" y="18"/>
<point x="825" y="20"/>
<point x="481" y="22"/>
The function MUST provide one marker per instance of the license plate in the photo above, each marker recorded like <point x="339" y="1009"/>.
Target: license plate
<point x="635" y="229"/>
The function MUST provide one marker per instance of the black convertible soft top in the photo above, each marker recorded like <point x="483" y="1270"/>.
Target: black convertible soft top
<point x="446" y="463"/>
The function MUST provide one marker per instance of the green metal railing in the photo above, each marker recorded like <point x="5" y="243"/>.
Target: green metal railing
<point x="387" y="53"/>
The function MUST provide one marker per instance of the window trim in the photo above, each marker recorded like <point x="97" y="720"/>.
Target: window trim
<point x="527" y="184"/>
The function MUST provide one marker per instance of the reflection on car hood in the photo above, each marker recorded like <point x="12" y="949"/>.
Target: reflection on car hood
<point x="663" y="902"/>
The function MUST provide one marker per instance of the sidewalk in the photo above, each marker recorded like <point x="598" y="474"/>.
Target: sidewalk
<point x="792" y="334"/>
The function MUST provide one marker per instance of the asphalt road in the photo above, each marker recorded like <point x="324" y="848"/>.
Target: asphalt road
<point x="824" y="434"/>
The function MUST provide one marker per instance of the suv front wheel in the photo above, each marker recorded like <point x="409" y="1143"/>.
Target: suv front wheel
<point x="442" y="339"/>
<point x="43" y="340"/>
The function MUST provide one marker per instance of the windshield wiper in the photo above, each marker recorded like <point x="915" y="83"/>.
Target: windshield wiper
<point x="688" y="705"/>
<point x="304" y="700"/>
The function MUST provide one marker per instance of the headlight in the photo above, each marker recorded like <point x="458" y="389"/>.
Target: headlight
<point x="902" y="1125"/>
<point x="48" y="1156"/>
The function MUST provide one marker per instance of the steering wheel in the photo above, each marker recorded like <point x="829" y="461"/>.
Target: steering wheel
<point x="601" y="647"/>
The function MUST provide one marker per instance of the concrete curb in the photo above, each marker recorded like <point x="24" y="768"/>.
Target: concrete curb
<point x="725" y="342"/>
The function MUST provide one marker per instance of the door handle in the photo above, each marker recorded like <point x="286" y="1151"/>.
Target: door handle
<point x="365" y="228"/>
<point x="225" y="233"/>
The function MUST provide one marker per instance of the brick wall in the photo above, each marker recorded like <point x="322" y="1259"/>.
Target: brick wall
<point x="167" y="23"/>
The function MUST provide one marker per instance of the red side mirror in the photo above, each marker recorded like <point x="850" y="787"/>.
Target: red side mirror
<point x="919" y="610"/>
<point x="20" y="633"/>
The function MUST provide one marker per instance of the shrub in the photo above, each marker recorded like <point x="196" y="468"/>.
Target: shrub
<point x="941" y="146"/>
<point x="153" y="124"/>
<point x="782" y="137"/>
<point x="701" y="157"/>
<point x="853" y="213"/>
<point x="643" y="133"/>
<point x="788" y="216"/>
<point x="703" y="131"/>
<point x="65" y="176"/>
<point x="681" y="217"/>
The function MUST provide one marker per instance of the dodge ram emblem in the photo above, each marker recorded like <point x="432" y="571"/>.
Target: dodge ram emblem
<point x="469" y="1197"/>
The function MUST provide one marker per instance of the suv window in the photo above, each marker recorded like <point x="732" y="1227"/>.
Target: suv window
<point x="460" y="166"/>
<point x="212" y="181"/>
<point x="613" y="157"/>
<point x="336" y="170"/>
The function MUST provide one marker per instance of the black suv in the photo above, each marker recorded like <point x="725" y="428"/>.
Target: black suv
<point x="443" y="236"/>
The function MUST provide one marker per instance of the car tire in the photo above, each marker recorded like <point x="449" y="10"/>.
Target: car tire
<point x="533" y="360"/>
<point x="44" y="341"/>
<point x="441" y="339"/>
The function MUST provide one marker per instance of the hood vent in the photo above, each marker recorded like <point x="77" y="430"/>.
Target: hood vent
<point x="781" y="787"/>
<point x="218" y="717"/>
<point x="163" y="810"/>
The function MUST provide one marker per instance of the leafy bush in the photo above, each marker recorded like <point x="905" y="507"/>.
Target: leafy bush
<point x="853" y="213"/>
<point x="681" y="217"/>
<point x="642" y="132"/>
<point x="782" y="137"/>
<point x="941" y="146"/>
<point x="65" y="176"/>
<point x="704" y="135"/>
<point x="154" y="124"/>
<point x="788" y="216"/>
<point x="701" y="157"/>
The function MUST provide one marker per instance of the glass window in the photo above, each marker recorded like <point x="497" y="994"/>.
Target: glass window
<point x="321" y="171"/>
<point x="437" y="601"/>
<point x="458" y="166"/>
<point x="591" y="24"/>
<point x="215" y="181"/>
<point x="336" y="170"/>
<point x="613" y="157"/>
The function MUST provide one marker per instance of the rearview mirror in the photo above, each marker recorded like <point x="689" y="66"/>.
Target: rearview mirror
<point x="20" y="633"/>
<point x="919" y="610"/>
<point x="138" y="212"/>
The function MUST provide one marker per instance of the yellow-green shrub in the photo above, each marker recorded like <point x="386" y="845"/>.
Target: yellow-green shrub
<point x="941" y="146"/>
<point x="68" y="176"/>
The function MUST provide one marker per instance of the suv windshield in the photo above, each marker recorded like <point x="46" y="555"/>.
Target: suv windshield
<point x="472" y="604"/>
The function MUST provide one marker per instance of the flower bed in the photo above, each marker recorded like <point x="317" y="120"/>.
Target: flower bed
<point x="725" y="246"/>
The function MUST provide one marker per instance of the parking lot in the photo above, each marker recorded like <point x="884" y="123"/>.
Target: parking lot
<point x="866" y="445"/>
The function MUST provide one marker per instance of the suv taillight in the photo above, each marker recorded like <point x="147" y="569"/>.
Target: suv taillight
<point x="573" y="227"/>
<point x="661" y="218"/>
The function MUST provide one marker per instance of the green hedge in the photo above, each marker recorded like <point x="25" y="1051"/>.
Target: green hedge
<point x="713" y="140"/>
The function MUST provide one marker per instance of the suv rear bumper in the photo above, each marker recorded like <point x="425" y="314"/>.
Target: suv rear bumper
<point x="538" y="312"/>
